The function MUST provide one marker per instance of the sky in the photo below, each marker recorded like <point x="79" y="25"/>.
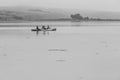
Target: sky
<point x="99" y="5"/>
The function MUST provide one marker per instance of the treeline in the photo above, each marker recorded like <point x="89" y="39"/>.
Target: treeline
<point x="79" y="17"/>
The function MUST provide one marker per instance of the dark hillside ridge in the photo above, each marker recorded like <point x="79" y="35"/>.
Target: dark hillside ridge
<point x="42" y="14"/>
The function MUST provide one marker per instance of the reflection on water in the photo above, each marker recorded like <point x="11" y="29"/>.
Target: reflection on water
<point x="38" y="32"/>
<point x="7" y="32"/>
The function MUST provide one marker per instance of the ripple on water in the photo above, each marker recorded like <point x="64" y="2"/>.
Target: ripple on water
<point x="61" y="60"/>
<point x="62" y="50"/>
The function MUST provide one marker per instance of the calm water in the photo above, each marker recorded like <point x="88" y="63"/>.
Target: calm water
<point x="24" y="29"/>
<point x="76" y="51"/>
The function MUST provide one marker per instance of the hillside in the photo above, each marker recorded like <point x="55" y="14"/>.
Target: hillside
<point x="28" y="14"/>
<point x="23" y="13"/>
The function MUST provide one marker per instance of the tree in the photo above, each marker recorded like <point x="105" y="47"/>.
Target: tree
<point x="76" y="17"/>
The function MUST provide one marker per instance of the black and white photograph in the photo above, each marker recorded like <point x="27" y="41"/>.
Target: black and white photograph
<point x="59" y="39"/>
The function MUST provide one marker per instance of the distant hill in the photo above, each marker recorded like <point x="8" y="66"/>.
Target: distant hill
<point x="25" y="13"/>
<point x="28" y="14"/>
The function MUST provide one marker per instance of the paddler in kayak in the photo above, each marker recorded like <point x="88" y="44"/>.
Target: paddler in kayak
<point x="48" y="27"/>
<point x="45" y="28"/>
<point x="37" y="28"/>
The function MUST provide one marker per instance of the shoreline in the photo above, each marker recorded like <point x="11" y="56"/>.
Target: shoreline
<point x="59" y="20"/>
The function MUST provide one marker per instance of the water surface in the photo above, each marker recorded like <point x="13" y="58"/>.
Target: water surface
<point x="76" y="51"/>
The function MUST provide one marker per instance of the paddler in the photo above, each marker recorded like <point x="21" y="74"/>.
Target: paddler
<point x="37" y="27"/>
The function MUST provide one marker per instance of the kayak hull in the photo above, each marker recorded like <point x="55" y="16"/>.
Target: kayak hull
<point x="43" y="30"/>
<point x="35" y="30"/>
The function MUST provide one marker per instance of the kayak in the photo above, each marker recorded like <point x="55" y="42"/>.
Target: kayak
<point x="36" y="30"/>
<point x="43" y="29"/>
